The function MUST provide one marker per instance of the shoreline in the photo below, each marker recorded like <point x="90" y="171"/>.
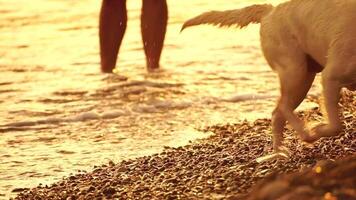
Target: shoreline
<point x="222" y="166"/>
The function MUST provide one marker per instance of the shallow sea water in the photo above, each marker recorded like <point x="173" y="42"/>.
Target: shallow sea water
<point x="59" y="114"/>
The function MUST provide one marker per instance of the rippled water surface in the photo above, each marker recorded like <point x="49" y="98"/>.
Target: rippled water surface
<point x="59" y="114"/>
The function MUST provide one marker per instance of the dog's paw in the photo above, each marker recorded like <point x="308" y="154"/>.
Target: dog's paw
<point x="282" y="150"/>
<point x="325" y="130"/>
<point x="311" y="138"/>
<point x="277" y="144"/>
<point x="280" y="153"/>
<point x="308" y="137"/>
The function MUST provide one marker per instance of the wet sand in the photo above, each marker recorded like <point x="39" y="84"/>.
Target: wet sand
<point x="224" y="166"/>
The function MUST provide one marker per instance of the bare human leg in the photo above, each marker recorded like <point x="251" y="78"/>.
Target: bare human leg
<point x="112" y="26"/>
<point x="153" y="27"/>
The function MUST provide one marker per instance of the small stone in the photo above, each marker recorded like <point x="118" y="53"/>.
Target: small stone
<point x="109" y="191"/>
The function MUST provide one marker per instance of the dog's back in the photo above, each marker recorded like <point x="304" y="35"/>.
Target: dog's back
<point x="320" y="29"/>
<point x="316" y="26"/>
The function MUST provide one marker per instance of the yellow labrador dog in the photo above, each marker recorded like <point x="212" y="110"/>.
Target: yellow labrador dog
<point x="300" y="38"/>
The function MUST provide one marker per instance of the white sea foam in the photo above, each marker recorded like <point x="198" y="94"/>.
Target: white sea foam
<point x="114" y="114"/>
<point x="77" y="118"/>
<point x="171" y="104"/>
<point x="154" y="106"/>
<point x="83" y="117"/>
<point x="145" y="83"/>
<point x="247" y="97"/>
<point x="23" y="123"/>
<point x="145" y="109"/>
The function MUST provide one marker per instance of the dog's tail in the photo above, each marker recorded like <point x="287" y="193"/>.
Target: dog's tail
<point x="238" y="17"/>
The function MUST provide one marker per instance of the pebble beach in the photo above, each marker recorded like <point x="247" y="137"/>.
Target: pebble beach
<point x="198" y="128"/>
<point x="224" y="166"/>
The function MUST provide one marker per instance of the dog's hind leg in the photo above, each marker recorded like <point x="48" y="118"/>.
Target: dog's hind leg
<point x="331" y="92"/>
<point x="295" y="84"/>
<point x="291" y="64"/>
<point x="293" y="92"/>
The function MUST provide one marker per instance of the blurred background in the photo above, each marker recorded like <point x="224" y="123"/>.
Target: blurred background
<point x="59" y="114"/>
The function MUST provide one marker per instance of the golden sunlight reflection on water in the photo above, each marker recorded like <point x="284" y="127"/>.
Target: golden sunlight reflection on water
<point x="77" y="117"/>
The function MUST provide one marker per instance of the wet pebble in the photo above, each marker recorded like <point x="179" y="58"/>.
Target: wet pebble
<point x="224" y="167"/>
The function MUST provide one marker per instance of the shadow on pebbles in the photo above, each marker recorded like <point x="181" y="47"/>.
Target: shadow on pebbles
<point x="224" y="166"/>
